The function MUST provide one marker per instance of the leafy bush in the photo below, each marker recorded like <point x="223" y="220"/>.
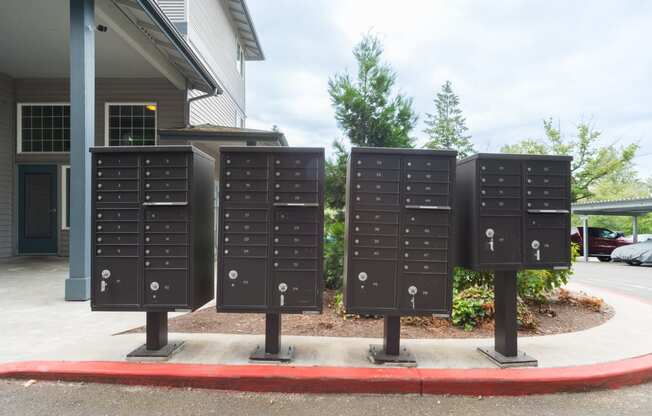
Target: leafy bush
<point x="465" y="278"/>
<point x="333" y="248"/>
<point x="471" y="306"/>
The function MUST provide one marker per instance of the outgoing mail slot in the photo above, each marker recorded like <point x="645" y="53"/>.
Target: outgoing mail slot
<point x="245" y="173"/>
<point x="428" y="200"/>
<point x="122" y="239"/>
<point x="117" y="227"/>
<point x="295" y="214"/>
<point x="377" y="175"/>
<point x="382" y="187"/>
<point x="424" y="267"/>
<point x="378" y="162"/>
<point x="376" y="217"/>
<point x="546" y="246"/>
<point x="247" y="215"/>
<point x="246" y="197"/>
<point x="171" y="185"/>
<point x="166" y="288"/>
<point x="494" y="191"/>
<point x="547" y="168"/>
<point x="374" y="241"/>
<point x="376" y="199"/>
<point x="427" y="163"/>
<point x="295" y="252"/>
<point x="117" y="173"/>
<point x="292" y="289"/>
<point x="501" y="167"/>
<point x="166" y="263"/>
<point x="117" y="160"/>
<point x="426" y="230"/>
<point x="117" y="197"/>
<point x="295" y="240"/>
<point x="297" y="161"/>
<point x="115" y="282"/>
<point x="117" y="185"/>
<point x="245" y="227"/>
<point x="166" y="173"/>
<point x="116" y="214"/>
<point x="246" y="239"/>
<point x="547" y="180"/>
<point x="428" y="176"/>
<point x="294" y="264"/>
<point x="246" y="186"/>
<point x="295" y="228"/>
<point x="510" y="204"/>
<point x="156" y="196"/>
<point x="245" y="251"/>
<point x="165" y="159"/>
<point x="499" y="241"/>
<point x="422" y="217"/>
<point x="377" y="229"/>
<point x="296" y="186"/>
<point x="172" y="239"/>
<point x="167" y="227"/>
<point x="375" y="253"/>
<point x="243" y="283"/>
<point x="426" y="243"/>
<point x="546" y="192"/>
<point x="166" y="251"/>
<point x="116" y="251"/>
<point x="425" y="254"/>
<point x="245" y="160"/>
<point x="372" y="284"/>
<point x="501" y="180"/>
<point x="166" y="214"/>
<point x="296" y="198"/>
<point x="423" y="293"/>
<point x="284" y="174"/>
<point x="427" y="188"/>
<point x="545" y="204"/>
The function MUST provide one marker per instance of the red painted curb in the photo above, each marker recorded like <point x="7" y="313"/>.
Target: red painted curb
<point x="289" y="379"/>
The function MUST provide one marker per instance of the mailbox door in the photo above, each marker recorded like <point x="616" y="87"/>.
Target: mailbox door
<point x="499" y="242"/>
<point x="115" y="282"/>
<point x="166" y="288"/>
<point x="547" y="241"/>
<point x="244" y="283"/>
<point x="372" y="285"/>
<point x="419" y="294"/>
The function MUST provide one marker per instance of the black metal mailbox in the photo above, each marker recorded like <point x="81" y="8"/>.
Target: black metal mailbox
<point x="513" y="212"/>
<point x="152" y="228"/>
<point x="398" y="231"/>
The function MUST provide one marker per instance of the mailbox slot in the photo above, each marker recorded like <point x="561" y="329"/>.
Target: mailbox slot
<point x="245" y="227"/>
<point x="296" y="198"/>
<point x="547" y="181"/>
<point x="428" y="176"/>
<point x="288" y="174"/>
<point x="245" y="197"/>
<point x="246" y="186"/>
<point x="104" y="250"/>
<point x="297" y="161"/>
<point x="428" y="200"/>
<point x="425" y="243"/>
<point x="374" y="229"/>
<point x="166" y="251"/>
<point x="245" y="173"/>
<point x="165" y="173"/>
<point x="377" y="217"/>
<point x="440" y="231"/>
<point x="109" y="214"/>
<point x="117" y="160"/>
<point x="374" y="241"/>
<point x="124" y="197"/>
<point x="427" y="217"/>
<point x="117" y="185"/>
<point x="166" y="214"/>
<point x="117" y="239"/>
<point x="377" y="175"/>
<point x="501" y="167"/>
<point x="117" y="173"/>
<point x="246" y="160"/>
<point x="295" y="214"/>
<point x="163" y="238"/>
<point x="245" y="239"/>
<point x="245" y="215"/>
<point x="501" y="180"/>
<point x="296" y="187"/>
<point x="376" y="199"/>
<point x="501" y="192"/>
<point x="426" y="188"/>
<point x="375" y="253"/>
<point x="166" y="159"/>
<point x="378" y="162"/>
<point x="427" y="163"/>
<point x="423" y="267"/>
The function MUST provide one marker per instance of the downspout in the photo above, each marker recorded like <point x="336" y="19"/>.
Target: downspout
<point x="186" y="107"/>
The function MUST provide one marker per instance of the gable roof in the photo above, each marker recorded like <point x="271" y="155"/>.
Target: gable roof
<point x="246" y="31"/>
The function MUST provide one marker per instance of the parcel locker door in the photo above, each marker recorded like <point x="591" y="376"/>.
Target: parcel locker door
<point x="372" y="284"/>
<point x="547" y="241"/>
<point x="243" y="284"/>
<point x="294" y="290"/>
<point x="115" y="282"/>
<point x="166" y="288"/>
<point x="499" y="241"/>
<point x="423" y="294"/>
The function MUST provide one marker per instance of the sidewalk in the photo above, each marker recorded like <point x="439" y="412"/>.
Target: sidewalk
<point x="40" y="326"/>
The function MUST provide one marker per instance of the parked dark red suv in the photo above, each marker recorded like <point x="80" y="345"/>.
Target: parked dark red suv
<point x="601" y="241"/>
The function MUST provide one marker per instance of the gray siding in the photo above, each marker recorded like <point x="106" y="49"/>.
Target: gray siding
<point x="220" y="110"/>
<point x="175" y="10"/>
<point x="170" y="104"/>
<point x="7" y="112"/>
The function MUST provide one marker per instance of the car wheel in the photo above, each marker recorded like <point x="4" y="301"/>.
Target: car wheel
<point x="604" y="259"/>
<point x="634" y="263"/>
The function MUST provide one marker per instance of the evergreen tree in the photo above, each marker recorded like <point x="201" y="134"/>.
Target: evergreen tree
<point x="447" y="127"/>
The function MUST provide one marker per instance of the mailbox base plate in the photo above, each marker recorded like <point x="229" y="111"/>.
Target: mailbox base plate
<point x="377" y="355"/>
<point x="143" y="354"/>
<point x="520" y="360"/>
<point x="285" y="355"/>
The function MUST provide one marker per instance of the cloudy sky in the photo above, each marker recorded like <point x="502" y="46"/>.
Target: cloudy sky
<point x="512" y="63"/>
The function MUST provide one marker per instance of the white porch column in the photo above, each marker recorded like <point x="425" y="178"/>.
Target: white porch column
<point x="585" y="237"/>
<point x="635" y="229"/>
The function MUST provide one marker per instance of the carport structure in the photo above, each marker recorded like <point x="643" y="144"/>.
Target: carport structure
<point x="619" y="207"/>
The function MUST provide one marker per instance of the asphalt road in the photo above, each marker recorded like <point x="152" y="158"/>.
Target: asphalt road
<point x="619" y="277"/>
<point x="44" y="398"/>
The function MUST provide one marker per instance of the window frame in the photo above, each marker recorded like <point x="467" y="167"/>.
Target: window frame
<point x="65" y="172"/>
<point x="19" y="125"/>
<point x="108" y="104"/>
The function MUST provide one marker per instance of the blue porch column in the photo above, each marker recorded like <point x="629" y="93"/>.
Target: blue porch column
<point x="82" y="132"/>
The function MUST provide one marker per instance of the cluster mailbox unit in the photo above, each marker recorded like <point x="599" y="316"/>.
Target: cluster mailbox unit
<point x="399" y="219"/>
<point x="152" y="233"/>
<point x="270" y="233"/>
<point x="513" y="213"/>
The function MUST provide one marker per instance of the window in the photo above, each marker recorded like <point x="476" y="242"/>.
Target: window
<point x="130" y="124"/>
<point x="65" y="197"/>
<point x="43" y="127"/>
<point x="239" y="58"/>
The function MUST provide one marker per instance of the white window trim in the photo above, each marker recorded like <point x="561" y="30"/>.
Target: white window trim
<point x="106" y="118"/>
<point x="65" y="169"/>
<point x="19" y="125"/>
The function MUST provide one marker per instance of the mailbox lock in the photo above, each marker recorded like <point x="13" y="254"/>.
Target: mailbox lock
<point x="283" y="287"/>
<point x="154" y="286"/>
<point x="106" y="273"/>
<point x="233" y="274"/>
<point x="490" y="233"/>
<point x="362" y="276"/>
<point x="412" y="290"/>
<point x="536" y="244"/>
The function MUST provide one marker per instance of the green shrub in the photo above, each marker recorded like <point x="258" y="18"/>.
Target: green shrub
<point x="471" y="306"/>
<point x="333" y="248"/>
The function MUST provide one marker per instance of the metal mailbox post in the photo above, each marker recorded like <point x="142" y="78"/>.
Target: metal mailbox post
<point x="513" y="213"/>
<point x="398" y="251"/>
<point x="152" y="235"/>
<point x="270" y="236"/>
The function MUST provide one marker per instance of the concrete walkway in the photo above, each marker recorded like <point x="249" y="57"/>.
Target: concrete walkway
<point x="38" y="325"/>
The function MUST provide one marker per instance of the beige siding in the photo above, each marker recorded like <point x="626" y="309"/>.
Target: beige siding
<point x="220" y="110"/>
<point x="175" y="10"/>
<point x="169" y="100"/>
<point x="7" y="108"/>
<point x="213" y="36"/>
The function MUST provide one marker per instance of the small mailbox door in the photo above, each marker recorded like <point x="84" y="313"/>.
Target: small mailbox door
<point x="499" y="240"/>
<point x="373" y="284"/>
<point x="546" y="240"/>
<point x="243" y="284"/>
<point x="115" y="282"/>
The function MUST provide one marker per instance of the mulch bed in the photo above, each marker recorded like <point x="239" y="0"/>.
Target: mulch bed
<point x="558" y="317"/>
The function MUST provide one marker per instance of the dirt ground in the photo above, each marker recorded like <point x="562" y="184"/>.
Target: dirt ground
<point x="559" y="317"/>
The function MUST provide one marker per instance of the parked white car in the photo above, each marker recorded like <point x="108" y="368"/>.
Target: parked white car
<point x="641" y="237"/>
<point x="634" y="254"/>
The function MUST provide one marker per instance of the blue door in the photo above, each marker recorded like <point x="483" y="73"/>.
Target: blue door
<point x="37" y="209"/>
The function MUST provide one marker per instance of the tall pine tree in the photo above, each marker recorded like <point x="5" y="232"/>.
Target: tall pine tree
<point x="447" y="127"/>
